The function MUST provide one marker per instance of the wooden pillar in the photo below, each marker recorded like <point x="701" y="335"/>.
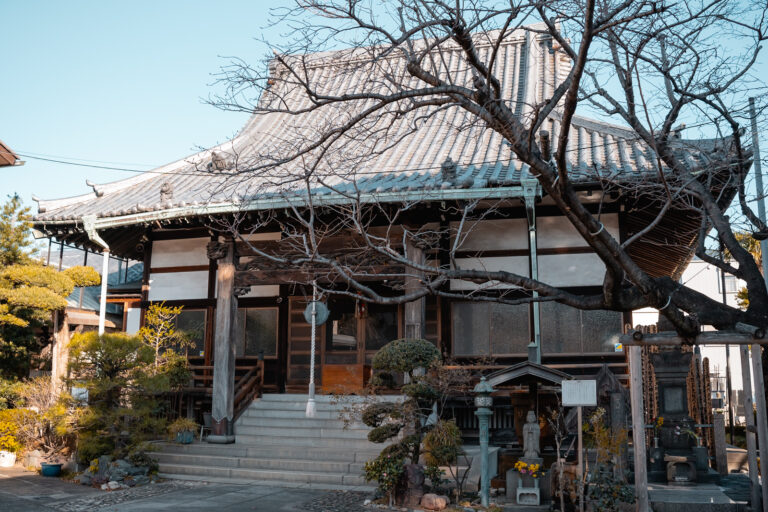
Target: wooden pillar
<point x="721" y="452"/>
<point x="415" y="311"/>
<point x="638" y="427"/>
<point x="59" y="352"/>
<point x="222" y="412"/>
<point x="750" y="430"/>
<point x="762" y="426"/>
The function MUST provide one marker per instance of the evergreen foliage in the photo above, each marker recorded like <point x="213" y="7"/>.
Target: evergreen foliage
<point x="29" y="291"/>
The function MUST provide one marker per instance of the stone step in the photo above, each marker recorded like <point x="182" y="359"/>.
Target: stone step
<point x="317" y="423"/>
<point x="263" y="474"/>
<point x="287" y="414"/>
<point x="305" y="432"/>
<point x="293" y="397"/>
<point x="315" y="466"/>
<point x="277" y="451"/>
<point x="336" y="442"/>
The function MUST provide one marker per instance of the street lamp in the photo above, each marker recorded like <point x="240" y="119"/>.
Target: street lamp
<point x="484" y="402"/>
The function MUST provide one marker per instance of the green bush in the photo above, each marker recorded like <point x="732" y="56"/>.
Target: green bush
<point x="9" y="394"/>
<point x="405" y="355"/>
<point x="442" y="444"/>
<point x="126" y="405"/>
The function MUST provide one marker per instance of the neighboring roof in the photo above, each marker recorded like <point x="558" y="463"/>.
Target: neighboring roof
<point x="411" y="169"/>
<point x="525" y="370"/>
<point x="7" y="156"/>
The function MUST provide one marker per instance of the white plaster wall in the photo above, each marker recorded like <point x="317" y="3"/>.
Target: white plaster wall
<point x="494" y="235"/>
<point x="270" y="290"/>
<point x="556" y="231"/>
<point x="513" y="264"/>
<point x="178" y="253"/>
<point x="262" y="236"/>
<point x="178" y="285"/>
<point x="571" y="269"/>
<point x="132" y="320"/>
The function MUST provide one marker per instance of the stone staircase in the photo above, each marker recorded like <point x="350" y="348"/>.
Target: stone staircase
<point x="275" y="441"/>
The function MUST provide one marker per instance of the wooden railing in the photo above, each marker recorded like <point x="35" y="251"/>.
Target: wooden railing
<point x="249" y="380"/>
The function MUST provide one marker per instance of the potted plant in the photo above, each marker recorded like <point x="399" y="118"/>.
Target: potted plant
<point x="8" y="448"/>
<point x="50" y="468"/>
<point x="183" y="430"/>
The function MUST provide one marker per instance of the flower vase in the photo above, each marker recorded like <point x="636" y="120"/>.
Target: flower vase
<point x="655" y="441"/>
<point x="535" y="483"/>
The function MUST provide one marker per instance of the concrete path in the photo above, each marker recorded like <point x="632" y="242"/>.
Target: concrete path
<point x="22" y="491"/>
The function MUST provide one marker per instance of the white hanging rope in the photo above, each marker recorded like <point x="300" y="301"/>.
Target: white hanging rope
<point x="311" y="407"/>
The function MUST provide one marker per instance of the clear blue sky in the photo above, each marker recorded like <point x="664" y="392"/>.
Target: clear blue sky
<point x="117" y="82"/>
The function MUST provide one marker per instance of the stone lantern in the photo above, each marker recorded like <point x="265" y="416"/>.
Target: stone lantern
<point x="484" y="402"/>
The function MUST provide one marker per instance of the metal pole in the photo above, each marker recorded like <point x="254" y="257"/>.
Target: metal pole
<point x="638" y="427"/>
<point x="103" y="298"/>
<point x="311" y="406"/>
<point x="727" y="357"/>
<point x="757" y="362"/>
<point x="580" y="468"/>
<point x="484" y="414"/>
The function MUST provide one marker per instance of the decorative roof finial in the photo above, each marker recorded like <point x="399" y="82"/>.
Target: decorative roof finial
<point x="448" y="170"/>
<point x="96" y="189"/>
<point x="166" y="192"/>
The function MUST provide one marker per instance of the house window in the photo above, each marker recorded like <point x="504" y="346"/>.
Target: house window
<point x="259" y="332"/>
<point x="489" y="329"/>
<point x="192" y="323"/>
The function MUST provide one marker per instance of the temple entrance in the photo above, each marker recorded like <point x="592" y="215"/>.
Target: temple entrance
<point x="345" y="344"/>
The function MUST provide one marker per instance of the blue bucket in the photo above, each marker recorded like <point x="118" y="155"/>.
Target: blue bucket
<point x="50" y="469"/>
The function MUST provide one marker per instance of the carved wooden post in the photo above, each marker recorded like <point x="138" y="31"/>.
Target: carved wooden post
<point x="224" y="344"/>
<point x="721" y="453"/>
<point x="750" y="430"/>
<point x="638" y="426"/>
<point x="415" y="316"/>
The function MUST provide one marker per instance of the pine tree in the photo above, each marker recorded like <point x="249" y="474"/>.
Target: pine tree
<point x="29" y="291"/>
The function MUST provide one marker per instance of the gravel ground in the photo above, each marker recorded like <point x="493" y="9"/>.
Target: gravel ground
<point x="338" y="501"/>
<point x="108" y="499"/>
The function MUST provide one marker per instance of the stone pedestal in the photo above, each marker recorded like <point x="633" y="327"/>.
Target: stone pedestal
<point x="516" y="481"/>
<point x="528" y="496"/>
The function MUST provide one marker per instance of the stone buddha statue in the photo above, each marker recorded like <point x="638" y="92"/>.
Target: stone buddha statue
<point x="531" y="434"/>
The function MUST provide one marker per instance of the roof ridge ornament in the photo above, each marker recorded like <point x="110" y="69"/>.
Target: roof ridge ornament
<point x="40" y="207"/>
<point x="448" y="170"/>
<point x="98" y="190"/>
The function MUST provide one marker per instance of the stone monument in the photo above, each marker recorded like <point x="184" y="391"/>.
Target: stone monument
<point x="524" y="488"/>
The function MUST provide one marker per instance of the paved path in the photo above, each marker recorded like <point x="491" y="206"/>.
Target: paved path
<point x="22" y="491"/>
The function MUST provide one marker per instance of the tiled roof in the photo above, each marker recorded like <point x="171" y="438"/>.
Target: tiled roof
<point x="407" y="159"/>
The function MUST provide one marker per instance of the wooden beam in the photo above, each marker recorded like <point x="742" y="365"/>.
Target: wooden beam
<point x="721" y="452"/>
<point x="638" y="427"/>
<point x="762" y="427"/>
<point x="256" y="277"/>
<point x="637" y="338"/>
<point x="750" y="430"/>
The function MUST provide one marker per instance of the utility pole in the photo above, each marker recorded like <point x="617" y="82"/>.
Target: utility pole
<point x="757" y="364"/>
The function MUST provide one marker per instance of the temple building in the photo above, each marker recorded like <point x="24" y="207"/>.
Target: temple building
<point x="205" y="242"/>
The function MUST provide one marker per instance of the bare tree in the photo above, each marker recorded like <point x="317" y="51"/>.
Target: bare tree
<point x="397" y="66"/>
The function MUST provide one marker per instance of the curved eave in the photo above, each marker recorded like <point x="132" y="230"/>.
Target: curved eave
<point x="288" y="202"/>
